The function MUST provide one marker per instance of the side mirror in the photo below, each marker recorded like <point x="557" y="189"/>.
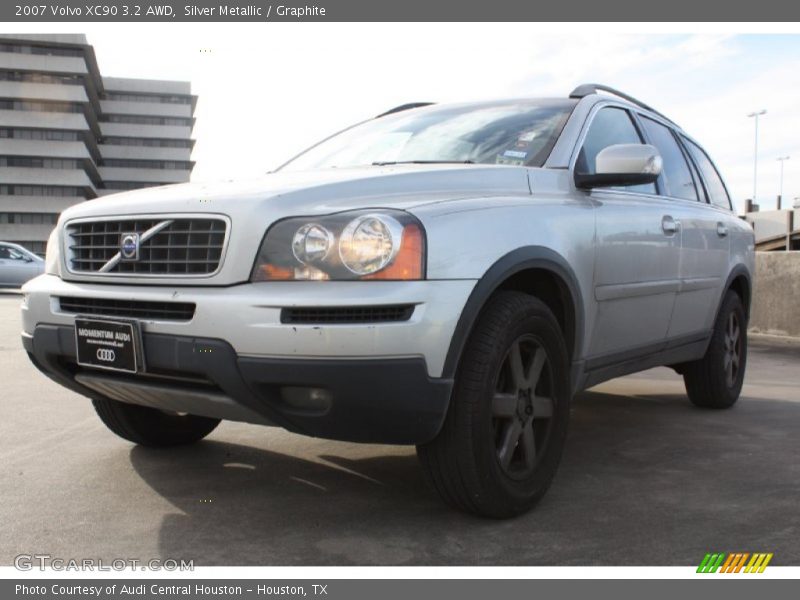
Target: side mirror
<point x="623" y="165"/>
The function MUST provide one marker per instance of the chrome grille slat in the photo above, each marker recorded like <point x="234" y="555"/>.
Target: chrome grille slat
<point x="177" y="246"/>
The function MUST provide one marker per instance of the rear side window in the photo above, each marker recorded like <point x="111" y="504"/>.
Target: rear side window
<point x="610" y="126"/>
<point x="716" y="189"/>
<point x="676" y="178"/>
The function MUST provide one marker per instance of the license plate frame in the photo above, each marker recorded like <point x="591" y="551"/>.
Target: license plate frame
<point x="109" y="344"/>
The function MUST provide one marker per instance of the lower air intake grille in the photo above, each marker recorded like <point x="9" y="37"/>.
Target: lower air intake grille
<point x="133" y="309"/>
<point x="347" y="314"/>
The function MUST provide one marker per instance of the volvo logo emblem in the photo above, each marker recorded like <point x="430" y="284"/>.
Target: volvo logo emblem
<point x="129" y="246"/>
<point x="106" y="355"/>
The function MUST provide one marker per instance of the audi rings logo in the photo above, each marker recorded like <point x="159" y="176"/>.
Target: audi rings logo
<point x="106" y="355"/>
<point x="129" y="246"/>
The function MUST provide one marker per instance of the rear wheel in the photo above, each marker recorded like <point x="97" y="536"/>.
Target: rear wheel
<point x="502" y="439"/>
<point x="152" y="427"/>
<point x="715" y="381"/>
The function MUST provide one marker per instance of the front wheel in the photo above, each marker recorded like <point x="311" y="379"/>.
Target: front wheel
<point x="152" y="427"/>
<point x="505" y="429"/>
<point x="715" y="381"/>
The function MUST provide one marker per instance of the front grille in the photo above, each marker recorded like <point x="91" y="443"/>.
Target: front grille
<point x="347" y="314"/>
<point x="134" y="309"/>
<point x="182" y="247"/>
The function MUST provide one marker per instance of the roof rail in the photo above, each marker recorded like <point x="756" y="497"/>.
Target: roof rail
<point x="587" y="89"/>
<point x="403" y="107"/>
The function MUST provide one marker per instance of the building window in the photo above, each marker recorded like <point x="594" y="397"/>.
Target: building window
<point x="41" y="50"/>
<point x="38" y="163"/>
<point x="40" y="134"/>
<point x="165" y="99"/>
<point x="38" y="106"/>
<point x="42" y="190"/>
<point x="28" y="218"/>
<point x="147" y="120"/>
<point x="147" y="164"/>
<point x="129" y="185"/>
<point x="148" y="142"/>
<point x="40" y="78"/>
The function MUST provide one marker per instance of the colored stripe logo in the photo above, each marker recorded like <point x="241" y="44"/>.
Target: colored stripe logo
<point x="735" y="562"/>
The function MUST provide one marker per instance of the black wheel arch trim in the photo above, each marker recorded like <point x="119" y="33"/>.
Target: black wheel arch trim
<point x="738" y="271"/>
<point x="516" y="261"/>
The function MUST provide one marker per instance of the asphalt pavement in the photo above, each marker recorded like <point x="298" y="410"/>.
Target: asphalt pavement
<point x="646" y="479"/>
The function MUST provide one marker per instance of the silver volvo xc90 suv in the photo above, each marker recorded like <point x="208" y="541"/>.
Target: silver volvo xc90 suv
<point x="441" y="275"/>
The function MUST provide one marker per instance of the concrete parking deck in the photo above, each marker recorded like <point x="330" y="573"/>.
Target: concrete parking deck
<point x="646" y="479"/>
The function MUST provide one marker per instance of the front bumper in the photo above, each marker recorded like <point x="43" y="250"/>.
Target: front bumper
<point x="391" y="401"/>
<point x="378" y="382"/>
<point x="247" y="316"/>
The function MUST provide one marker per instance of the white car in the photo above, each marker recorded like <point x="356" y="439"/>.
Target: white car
<point x="18" y="265"/>
<point x="442" y="275"/>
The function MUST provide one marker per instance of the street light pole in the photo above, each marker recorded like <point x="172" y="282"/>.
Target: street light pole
<point x="782" y="160"/>
<point x="756" y="114"/>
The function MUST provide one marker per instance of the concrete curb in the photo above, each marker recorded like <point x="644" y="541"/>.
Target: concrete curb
<point x="769" y="339"/>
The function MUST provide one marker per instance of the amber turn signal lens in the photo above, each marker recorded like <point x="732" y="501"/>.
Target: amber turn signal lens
<point x="268" y="272"/>
<point x="408" y="264"/>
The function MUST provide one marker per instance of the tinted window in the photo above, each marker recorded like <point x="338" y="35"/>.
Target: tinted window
<point x="610" y="126"/>
<point x="698" y="181"/>
<point x="676" y="178"/>
<point x="716" y="189"/>
<point x="10" y="253"/>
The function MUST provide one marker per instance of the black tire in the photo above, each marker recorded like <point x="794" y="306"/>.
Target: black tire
<point x="151" y="427"/>
<point x="715" y="381"/>
<point x="498" y="449"/>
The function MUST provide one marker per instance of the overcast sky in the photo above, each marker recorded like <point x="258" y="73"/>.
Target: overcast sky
<point x="269" y="90"/>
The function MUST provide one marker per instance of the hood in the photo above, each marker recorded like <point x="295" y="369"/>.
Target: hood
<point x="316" y="192"/>
<point x="252" y="206"/>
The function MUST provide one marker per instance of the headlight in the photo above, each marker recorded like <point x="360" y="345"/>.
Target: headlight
<point x="369" y="243"/>
<point x="311" y="243"/>
<point x="52" y="257"/>
<point x="375" y="244"/>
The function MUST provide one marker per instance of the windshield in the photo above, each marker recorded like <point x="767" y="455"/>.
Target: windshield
<point x="510" y="133"/>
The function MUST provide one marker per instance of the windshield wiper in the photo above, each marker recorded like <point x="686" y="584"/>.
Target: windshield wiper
<point x="422" y="162"/>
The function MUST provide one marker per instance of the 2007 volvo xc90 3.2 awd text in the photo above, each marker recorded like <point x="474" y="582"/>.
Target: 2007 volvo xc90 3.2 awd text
<point x="446" y="276"/>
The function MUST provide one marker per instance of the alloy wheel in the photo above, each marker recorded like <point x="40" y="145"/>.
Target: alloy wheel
<point x="522" y="407"/>
<point x="733" y="349"/>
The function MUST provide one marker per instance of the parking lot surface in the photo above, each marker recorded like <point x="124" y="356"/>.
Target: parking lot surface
<point x="646" y="479"/>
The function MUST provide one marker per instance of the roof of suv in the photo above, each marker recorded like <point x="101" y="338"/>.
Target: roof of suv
<point x="582" y="91"/>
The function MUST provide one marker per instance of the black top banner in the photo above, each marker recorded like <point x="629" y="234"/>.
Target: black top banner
<point x="47" y="11"/>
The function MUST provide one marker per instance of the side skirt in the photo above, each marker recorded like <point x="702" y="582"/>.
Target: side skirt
<point x="679" y="350"/>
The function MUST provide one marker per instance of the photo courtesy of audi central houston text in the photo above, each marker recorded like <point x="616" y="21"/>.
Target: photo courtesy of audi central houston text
<point x="441" y="275"/>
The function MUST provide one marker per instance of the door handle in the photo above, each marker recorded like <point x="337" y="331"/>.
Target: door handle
<point x="669" y="225"/>
<point x="722" y="231"/>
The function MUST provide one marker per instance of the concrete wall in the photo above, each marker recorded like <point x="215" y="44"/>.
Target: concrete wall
<point x="776" y="294"/>
<point x="769" y="223"/>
